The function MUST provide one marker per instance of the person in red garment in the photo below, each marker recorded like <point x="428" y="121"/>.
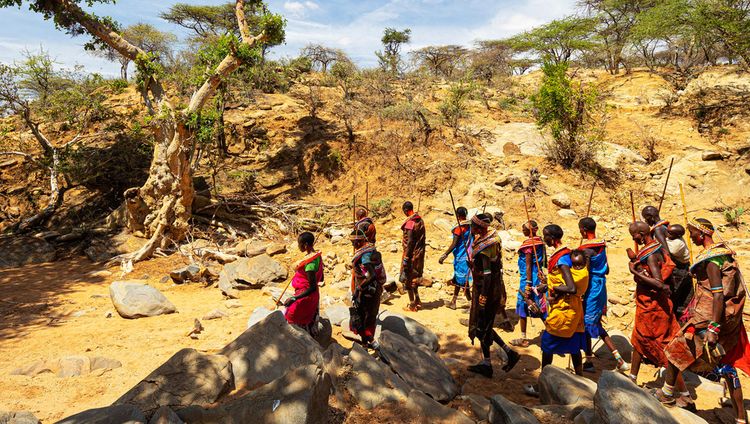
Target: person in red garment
<point x="413" y="242"/>
<point x="302" y="308"/>
<point x="713" y="341"/>
<point x="655" y="323"/>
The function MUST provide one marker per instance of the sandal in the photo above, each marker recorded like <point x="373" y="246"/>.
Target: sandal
<point x="623" y="367"/>
<point x="686" y="403"/>
<point x="589" y="367"/>
<point x="663" y="398"/>
<point x="520" y="342"/>
<point x="410" y="308"/>
<point x="530" y="390"/>
<point x="451" y="305"/>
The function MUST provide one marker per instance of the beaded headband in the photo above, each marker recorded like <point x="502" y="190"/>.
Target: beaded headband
<point x="700" y="227"/>
<point x="476" y="220"/>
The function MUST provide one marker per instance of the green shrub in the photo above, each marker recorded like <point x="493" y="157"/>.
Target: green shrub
<point x="571" y="114"/>
<point x="381" y="207"/>
<point x="733" y="216"/>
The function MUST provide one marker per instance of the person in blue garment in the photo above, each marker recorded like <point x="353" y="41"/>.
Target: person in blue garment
<point x="595" y="299"/>
<point x="530" y="302"/>
<point x="459" y="247"/>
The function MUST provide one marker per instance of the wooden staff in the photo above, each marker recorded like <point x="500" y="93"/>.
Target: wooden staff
<point x="632" y="208"/>
<point x="419" y="201"/>
<point x="531" y="234"/>
<point x="367" y="197"/>
<point x="484" y="208"/>
<point x="455" y="213"/>
<point x="591" y="198"/>
<point x="664" y="192"/>
<point x="685" y="216"/>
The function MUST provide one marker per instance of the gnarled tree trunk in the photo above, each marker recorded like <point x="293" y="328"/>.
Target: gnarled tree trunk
<point x="161" y="208"/>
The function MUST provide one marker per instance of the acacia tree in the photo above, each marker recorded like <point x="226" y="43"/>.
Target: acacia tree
<point x="321" y="56"/>
<point x="35" y="91"/>
<point x="614" y="22"/>
<point x="441" y="60"/>
<point x="161" y="208"/>
<point x="556" y="41"/>
<point x="145" y="36"/>
<point x="491" y="58"/>
<point x="393" y="40"/>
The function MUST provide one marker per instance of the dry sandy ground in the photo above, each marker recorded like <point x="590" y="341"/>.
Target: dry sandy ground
<point x="40" y="307"/>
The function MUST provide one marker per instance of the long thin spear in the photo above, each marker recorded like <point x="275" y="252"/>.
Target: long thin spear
<point x="664" y="192"/>
<point x="591" y="198"/>
<point x="685" y="216"/>
<point x="632" y="208"/>
<point x="367" y="197"/>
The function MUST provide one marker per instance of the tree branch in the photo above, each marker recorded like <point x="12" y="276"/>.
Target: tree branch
<point x="99" y="29"/>
<point x="230" y="63"/>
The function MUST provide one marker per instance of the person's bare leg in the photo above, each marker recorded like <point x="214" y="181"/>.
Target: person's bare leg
<point x="456" y="289"/>
<point x="577" y="360"/>
<point x="635" y="366"/>
<point x="522" y="322"/>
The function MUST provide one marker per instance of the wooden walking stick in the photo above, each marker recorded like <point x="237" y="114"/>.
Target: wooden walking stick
<point x="367" y="197"/>
<point x="664" y="192"/>
<point x="588" y="208"/>
<point x="591" y="197"/>
<point x="419" y="201"/>
<point x="632" y="208"/>
<point x="685" y="216"/>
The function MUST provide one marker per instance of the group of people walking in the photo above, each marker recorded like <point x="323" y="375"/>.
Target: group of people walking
<point x="679" y="325"/>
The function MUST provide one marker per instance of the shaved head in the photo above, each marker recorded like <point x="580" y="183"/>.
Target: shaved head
<point x="641" y="232"/>
<point x="639" y="227"/>
<point x="650" y="214"/>
<point x="361" y="213"/>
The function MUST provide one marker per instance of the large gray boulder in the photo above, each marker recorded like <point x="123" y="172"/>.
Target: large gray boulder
<point x="336" y="313"/>
<point x="117" y="414"/>
<point x="418" y="366"/>
<point x="371" y="383"/>
<point x="559" y="387"/>
<point x="18" y="417"/>
<point x="410" y="329"/>
<point x="16" y="251"/>
<point x="268" y="349"/>
<point x="250" y="273"/>
<point x="300" y="396"/>
<point x="427" y="411"/>
<point x="258" y="315"/>
<point x="622" y="343"/>
<point x="503" y="411"/>
<point x="133" y="299"/>
<point x="619" y="401"/>
<point x="187" y="378"/>
<point x="165" y="415"/>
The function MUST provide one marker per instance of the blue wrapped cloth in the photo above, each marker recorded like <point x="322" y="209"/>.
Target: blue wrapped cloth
<point x="522" y="310"/>
<point x="561" y="345"/>
<point x="595" y="299"/>
<point x="461" y="274"/>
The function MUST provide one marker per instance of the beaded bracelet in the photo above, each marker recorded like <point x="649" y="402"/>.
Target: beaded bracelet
<point x="714" y="327"/>
<point x="717" y="289"/>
